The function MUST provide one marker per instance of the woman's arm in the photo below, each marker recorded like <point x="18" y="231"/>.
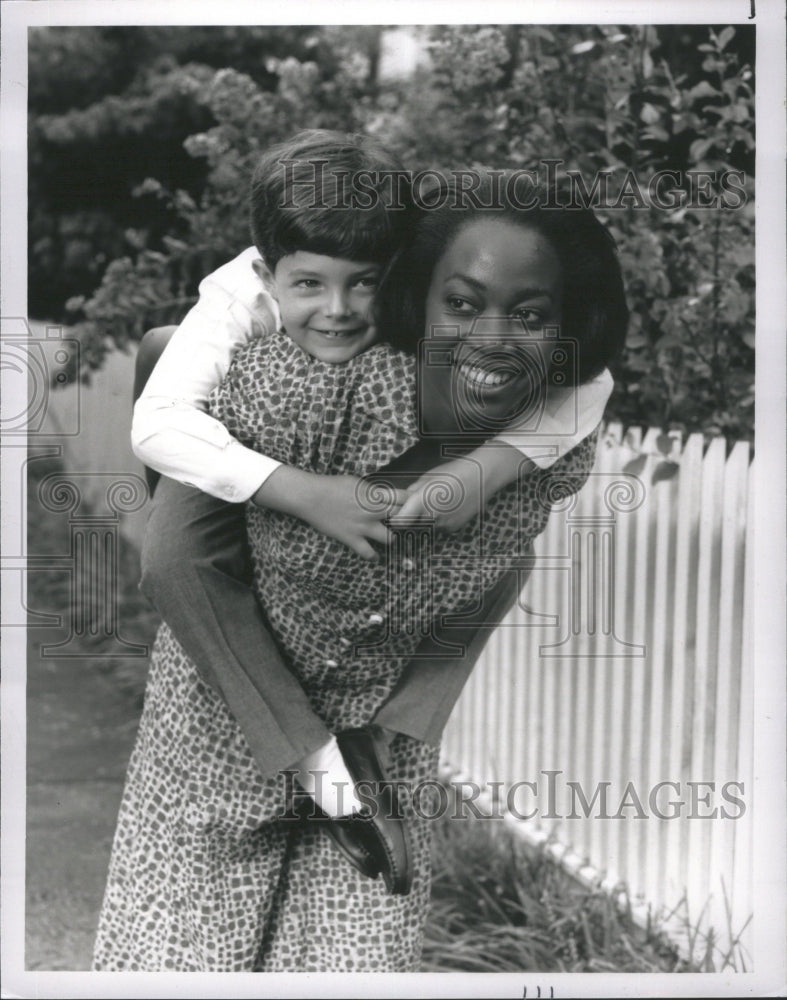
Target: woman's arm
<point x="569" y="418"/>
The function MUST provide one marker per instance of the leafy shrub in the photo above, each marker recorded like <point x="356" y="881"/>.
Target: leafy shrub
<point x="610" y="105"/>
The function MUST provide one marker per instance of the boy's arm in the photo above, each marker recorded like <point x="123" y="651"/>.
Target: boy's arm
<point x="570" y="417"/>
<point x="331" y="504"/>
<point x="171" y="431"/>
<point x="467" y="484"/>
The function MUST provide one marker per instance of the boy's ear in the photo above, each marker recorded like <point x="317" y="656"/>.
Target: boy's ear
<point x="265" y="275"/>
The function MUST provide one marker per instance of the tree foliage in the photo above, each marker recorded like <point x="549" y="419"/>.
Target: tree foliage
<point x="143" y="142"/>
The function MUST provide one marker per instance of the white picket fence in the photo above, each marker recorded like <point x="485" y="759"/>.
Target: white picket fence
<point x="627" y="666"/>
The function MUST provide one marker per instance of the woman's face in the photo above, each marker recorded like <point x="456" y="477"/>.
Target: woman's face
<point x="493" y="311"/>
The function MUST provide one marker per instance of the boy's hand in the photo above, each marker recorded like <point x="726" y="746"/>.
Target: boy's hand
<point x="450" y="496"/>
<point x="453" y="493"/>
<point x="334" y="505"/>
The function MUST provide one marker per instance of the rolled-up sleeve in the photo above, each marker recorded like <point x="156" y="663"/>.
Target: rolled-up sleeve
<point x="172" y="432"/>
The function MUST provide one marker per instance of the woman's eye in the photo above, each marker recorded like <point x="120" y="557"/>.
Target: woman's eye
<point x="369" y="282"/>
<point x="458" y="304"/>
<point x="530" y="317"/>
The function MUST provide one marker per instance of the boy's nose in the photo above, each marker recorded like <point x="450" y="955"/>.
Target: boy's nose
<point x="338" y="304"/>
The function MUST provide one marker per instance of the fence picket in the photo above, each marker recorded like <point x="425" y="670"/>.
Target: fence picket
<point x="728" y="657"/>
<point x="741" y="869"/>
<point x="684" y="647"/>
<point x="703" y="720"/>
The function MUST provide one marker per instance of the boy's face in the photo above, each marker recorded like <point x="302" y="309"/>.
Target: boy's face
<point x="326" y="304"/>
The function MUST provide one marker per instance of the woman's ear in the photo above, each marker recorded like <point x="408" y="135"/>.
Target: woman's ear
<point x="265" y="275"/>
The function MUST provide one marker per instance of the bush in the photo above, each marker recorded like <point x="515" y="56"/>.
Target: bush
<point x="614" y="105"/>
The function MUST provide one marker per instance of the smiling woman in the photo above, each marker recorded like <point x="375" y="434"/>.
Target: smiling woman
<point x="496" y="288"/>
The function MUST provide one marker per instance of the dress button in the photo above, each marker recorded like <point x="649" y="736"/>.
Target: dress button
<point x="408" y="564"/>
<point x="331" y="663"/>
<point x="375" y="618"/>
<point x="345" y="641"/>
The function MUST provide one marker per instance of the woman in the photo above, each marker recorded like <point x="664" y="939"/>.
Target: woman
<point x="243" y="887"/>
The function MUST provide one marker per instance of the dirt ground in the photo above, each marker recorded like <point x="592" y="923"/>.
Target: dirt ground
<point x="80" y="728"/>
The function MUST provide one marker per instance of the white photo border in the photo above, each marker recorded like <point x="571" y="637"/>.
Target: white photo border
<point x="768" y="977"/>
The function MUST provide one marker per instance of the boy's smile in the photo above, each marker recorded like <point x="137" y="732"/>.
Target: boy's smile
<point x="326" y="303"/>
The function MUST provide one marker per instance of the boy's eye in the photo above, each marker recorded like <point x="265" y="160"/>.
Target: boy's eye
<point x="307" y="283"/>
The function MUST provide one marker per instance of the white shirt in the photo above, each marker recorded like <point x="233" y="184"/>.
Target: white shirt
<point x="173" y="433"/>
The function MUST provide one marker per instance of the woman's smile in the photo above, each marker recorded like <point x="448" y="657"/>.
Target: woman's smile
<point x="481" y="376"/>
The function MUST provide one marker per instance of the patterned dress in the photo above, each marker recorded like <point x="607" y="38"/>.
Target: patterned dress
<point x="207" y="873"/>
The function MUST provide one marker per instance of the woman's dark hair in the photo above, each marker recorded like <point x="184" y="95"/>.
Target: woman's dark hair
<point x="332" y="193"/>
<point x="594" y="305"/>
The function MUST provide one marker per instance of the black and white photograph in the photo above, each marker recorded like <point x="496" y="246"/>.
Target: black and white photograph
<point x="393" y="577"/>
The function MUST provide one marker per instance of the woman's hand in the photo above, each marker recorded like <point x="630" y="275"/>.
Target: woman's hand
<point x="334" y="505"/>
<point x="453" y="493"/>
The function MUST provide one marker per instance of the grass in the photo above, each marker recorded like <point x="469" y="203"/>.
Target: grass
<point x="498" y="905"/>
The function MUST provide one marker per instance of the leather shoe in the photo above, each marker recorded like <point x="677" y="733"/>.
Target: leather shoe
<point x="348" y="836"/>
<point x="381" y="823"/>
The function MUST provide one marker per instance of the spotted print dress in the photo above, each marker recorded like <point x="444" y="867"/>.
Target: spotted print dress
<point x="207" y="872"/>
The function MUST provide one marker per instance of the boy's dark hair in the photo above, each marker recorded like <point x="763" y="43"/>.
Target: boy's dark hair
<point x="594" y="304"/>
<point x="332" y="193"/>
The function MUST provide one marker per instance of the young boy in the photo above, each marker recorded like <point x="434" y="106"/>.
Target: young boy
<point x="312" y="274"/>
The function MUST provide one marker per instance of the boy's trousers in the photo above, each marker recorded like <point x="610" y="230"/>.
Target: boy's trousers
<point x="196" y="569"/>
